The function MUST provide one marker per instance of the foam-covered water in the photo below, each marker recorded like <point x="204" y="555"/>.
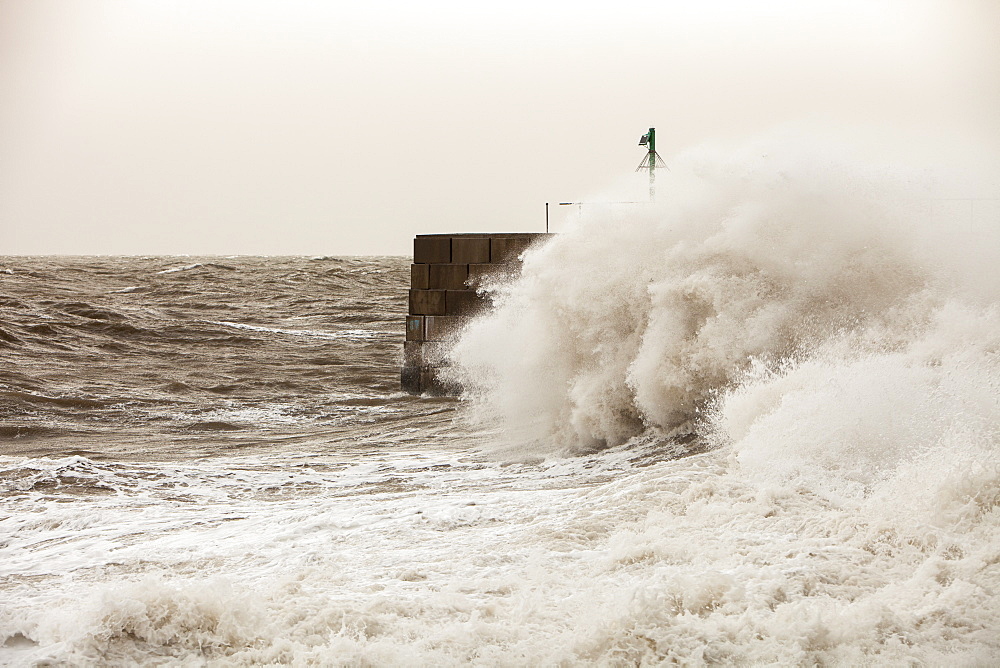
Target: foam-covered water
<point x="755" y="424"/>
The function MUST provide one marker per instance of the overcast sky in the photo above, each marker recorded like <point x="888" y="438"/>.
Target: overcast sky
<point x="327" y="127"/>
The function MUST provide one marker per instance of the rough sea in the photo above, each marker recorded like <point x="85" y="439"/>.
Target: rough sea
<point x="758" y="424"/>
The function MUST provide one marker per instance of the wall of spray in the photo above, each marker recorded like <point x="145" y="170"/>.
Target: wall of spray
<point x="759" y="266"/>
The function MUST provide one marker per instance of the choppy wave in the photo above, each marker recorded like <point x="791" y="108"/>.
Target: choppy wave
<point x="149" y="347"/>
<point x="435" y="557"/>
<point x="831" y="333"/>
<point x="197" y="265"/>
<point x="341" y="334"/>
<point x="769" y="258"/>
<point x="756" y="425"/>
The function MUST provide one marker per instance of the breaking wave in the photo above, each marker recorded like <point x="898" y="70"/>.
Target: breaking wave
<point x="831" y="333"/>
<point x="821" y="338"/>
<point x="765" y="276"/>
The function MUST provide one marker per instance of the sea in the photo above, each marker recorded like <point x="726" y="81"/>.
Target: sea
<point x="757" y="423"/>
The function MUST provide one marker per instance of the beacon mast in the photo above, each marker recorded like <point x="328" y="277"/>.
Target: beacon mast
<point x="651" y="161"/>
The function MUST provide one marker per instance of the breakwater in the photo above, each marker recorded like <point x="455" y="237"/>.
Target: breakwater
<point x="445" y="291"/>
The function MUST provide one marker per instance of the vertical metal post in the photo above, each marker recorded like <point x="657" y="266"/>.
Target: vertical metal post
<point x="546" y="218"/>
<point x="652" y="164"/>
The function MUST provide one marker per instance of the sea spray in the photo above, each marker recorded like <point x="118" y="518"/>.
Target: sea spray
<point x="836" y="501"/>
<point x="831" y="332"/>
<point x="766" y="255"/>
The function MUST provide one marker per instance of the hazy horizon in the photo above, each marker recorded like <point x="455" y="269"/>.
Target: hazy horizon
<point x="267" y="128"/>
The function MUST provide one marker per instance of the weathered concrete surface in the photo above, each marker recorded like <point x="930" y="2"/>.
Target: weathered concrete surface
<point x="425" y="380"/>
<point x="448" y="276"/>
<point x="507" y="249"/>
<point x="420" y="276"/>
<point x="425" y="354"/>
<point x="416" y="327"/>
<point x="442" y="327"/>
<point x="428" y="302"/>
<point x="470" y="250"/>
<point x="409" y="378"/>
<point x="464" y="302"/>
<point x="432" y="383"/>
<point x="427" y="249"/>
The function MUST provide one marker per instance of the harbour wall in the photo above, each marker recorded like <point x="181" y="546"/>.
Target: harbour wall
<point x="447" y="269"/>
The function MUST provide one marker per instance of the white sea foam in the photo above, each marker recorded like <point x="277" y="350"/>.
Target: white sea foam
<point x="186" y="267"/>
<point x="836" y="352"/>
<point x="339" y="334"/>
<point x="433" y="557"/>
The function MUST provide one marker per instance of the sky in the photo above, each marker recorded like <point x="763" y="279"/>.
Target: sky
<point x="345" y="128"/>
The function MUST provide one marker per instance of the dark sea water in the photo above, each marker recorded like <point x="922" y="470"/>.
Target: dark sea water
<point x="758" y="424"/>
<point x="125" y="358"/>
<point x="209" y="460"/>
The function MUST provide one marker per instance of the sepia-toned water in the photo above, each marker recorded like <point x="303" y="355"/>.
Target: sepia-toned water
<point x="757" y="425"/>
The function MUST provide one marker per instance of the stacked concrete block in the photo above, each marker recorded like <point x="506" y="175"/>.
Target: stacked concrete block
<point x="446" y="270"/>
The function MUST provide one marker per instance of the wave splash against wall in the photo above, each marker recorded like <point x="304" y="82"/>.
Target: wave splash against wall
<point x="788" y="304"/>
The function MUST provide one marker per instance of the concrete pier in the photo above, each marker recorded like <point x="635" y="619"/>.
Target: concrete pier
<point x="443" y="277"/>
